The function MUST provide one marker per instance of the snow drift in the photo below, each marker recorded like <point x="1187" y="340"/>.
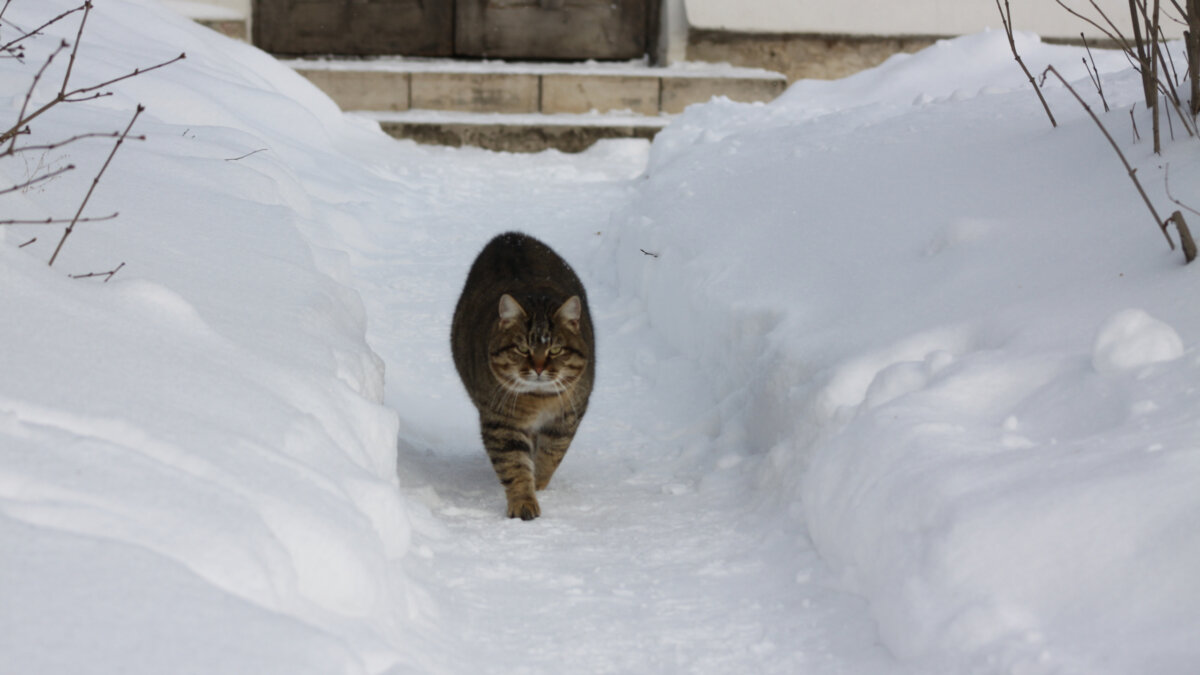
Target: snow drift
<point x="196" y="473"/>
<point x="888" y="360"/>
<point x="958" y="342"/>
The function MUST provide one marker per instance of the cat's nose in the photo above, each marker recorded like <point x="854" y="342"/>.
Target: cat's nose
<point x="539" y="364"/>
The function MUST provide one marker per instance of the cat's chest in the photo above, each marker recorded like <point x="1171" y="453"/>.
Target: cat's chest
<point x="536" y="413"/>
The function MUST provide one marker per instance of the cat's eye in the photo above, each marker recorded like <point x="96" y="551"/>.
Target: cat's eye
<point x="555" y="350"/>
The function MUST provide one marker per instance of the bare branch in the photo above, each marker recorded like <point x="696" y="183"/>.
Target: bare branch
<point x="1185" y="236"/>
<point x="1112" y="32"/>
<point x="38" y="30"/>
<point x="56" y="145"/>
<point x="1152" y="36"/>
<point x="81" y="99"/>
<point x="11" y="134"/>
<point x="107" y="275"/>
<point x="95" y="182"/>
<point x="39" y="179"/>
<point x="1192" y="46"/>
<point x="58" y="221"/>
<point x="1167" y="185"/>
<point x="1006" y="18"/>
<point x="73" y="96"/>
<point x="136" y="71"/>
<point x="87" y="9"/>
<point x="1093" y="72"/>
<point x="252" y="152"/>
<point x="1158" y="222"/>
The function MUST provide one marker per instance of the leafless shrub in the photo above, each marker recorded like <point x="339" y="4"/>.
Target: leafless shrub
<point x="14" y="131"/>
<point x="1189" y="246"/>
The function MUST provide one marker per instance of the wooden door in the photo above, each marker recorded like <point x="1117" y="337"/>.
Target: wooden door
<point x="355" y="27"/>
<point x="551" y="29"/>
<point x="510" y="29"/>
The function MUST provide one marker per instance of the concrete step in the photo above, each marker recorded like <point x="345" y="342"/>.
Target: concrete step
<point x="531" y="132"/>
<point x="499" y="87"/>
<point x="526" y="107"/>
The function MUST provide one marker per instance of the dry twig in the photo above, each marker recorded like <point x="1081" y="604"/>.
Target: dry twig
<point x="95" y="182"/>
<point x="1006" y="19"/>
<point x="66" y="93"/>
<point x="58" y="221"/>
<point x="1158" y="222"/>
<point x="1094" y="72"/>
<point x="252" y="152"/>
<point x="107" y="275"/>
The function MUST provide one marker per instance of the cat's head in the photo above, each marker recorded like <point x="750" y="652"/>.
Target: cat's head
<point x="539" y="349"/>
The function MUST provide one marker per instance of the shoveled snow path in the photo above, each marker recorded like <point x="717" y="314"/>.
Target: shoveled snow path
<point x="653" y="553"/>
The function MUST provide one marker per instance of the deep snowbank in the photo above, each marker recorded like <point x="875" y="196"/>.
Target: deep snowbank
<point x="196" y="474"/>
<point x="914" y="297"/>
<point x="940" y="338"/>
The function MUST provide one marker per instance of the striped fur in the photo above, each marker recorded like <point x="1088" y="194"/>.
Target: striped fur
<point x="523" y="345"/>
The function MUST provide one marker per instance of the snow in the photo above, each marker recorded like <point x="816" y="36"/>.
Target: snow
<point x="633" y="68"/>
<point x="1131" y="339"/>
<point x="892" y="378"/>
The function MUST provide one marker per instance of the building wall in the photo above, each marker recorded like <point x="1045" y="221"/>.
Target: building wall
<point x="896" y="17"/>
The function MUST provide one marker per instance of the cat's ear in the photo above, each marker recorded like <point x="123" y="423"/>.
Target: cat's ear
<point x="510" y="311"/>
<point x="568" y="315"/>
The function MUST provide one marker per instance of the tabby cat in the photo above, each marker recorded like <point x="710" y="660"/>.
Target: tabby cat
<point x="523" y="346"/>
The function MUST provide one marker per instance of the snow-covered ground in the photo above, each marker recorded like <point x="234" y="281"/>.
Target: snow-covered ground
<point x="893" y="378"/>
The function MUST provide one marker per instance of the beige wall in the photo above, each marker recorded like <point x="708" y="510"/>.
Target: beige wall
<point x="895" y="17"/>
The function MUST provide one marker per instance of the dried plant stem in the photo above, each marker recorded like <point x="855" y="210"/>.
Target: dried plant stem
<point x="58" y="221"/>
<point x="1185" y="236"/>
<point x="1167" y="185"/>
<point x="1112" y="32"/>
<point x="58" y="144"/>
<point x="107" y="275"/>
<point x="95" y="181"/>
<point x="38" y="179"/>
<point x="1094" y="72"/>
<point x="1154" y="65"/>
<point x="64" y="92"/>
<point x="22" y="121"/>
<point x="1192" y="41"/>
<point x="1185" y="233"/>
<point x="252" y="152"/>
<point x="1006" y="19"/>
<point x="1143" y="59"/>
<point x="87" y="9"/>
<point x="10" y="45"/>
<point x="1158" y="222"/>
<point x="76" y="95"/>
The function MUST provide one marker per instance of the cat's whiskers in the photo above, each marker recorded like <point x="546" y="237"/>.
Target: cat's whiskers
<point x="572" y="400"/>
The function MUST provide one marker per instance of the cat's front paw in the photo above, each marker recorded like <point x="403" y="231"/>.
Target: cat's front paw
<point x="525" y="508"/>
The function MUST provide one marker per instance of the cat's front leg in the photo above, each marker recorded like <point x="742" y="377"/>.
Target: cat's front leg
<point x="511" y="453"/>
<point x="552" y="444"/>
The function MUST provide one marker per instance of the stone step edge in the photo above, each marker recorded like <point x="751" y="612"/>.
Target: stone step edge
<point x="514" y="133"/>
<point x="528" y="92"/>
<point x="599" y="69"/>
<point x="422" y="116"/>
